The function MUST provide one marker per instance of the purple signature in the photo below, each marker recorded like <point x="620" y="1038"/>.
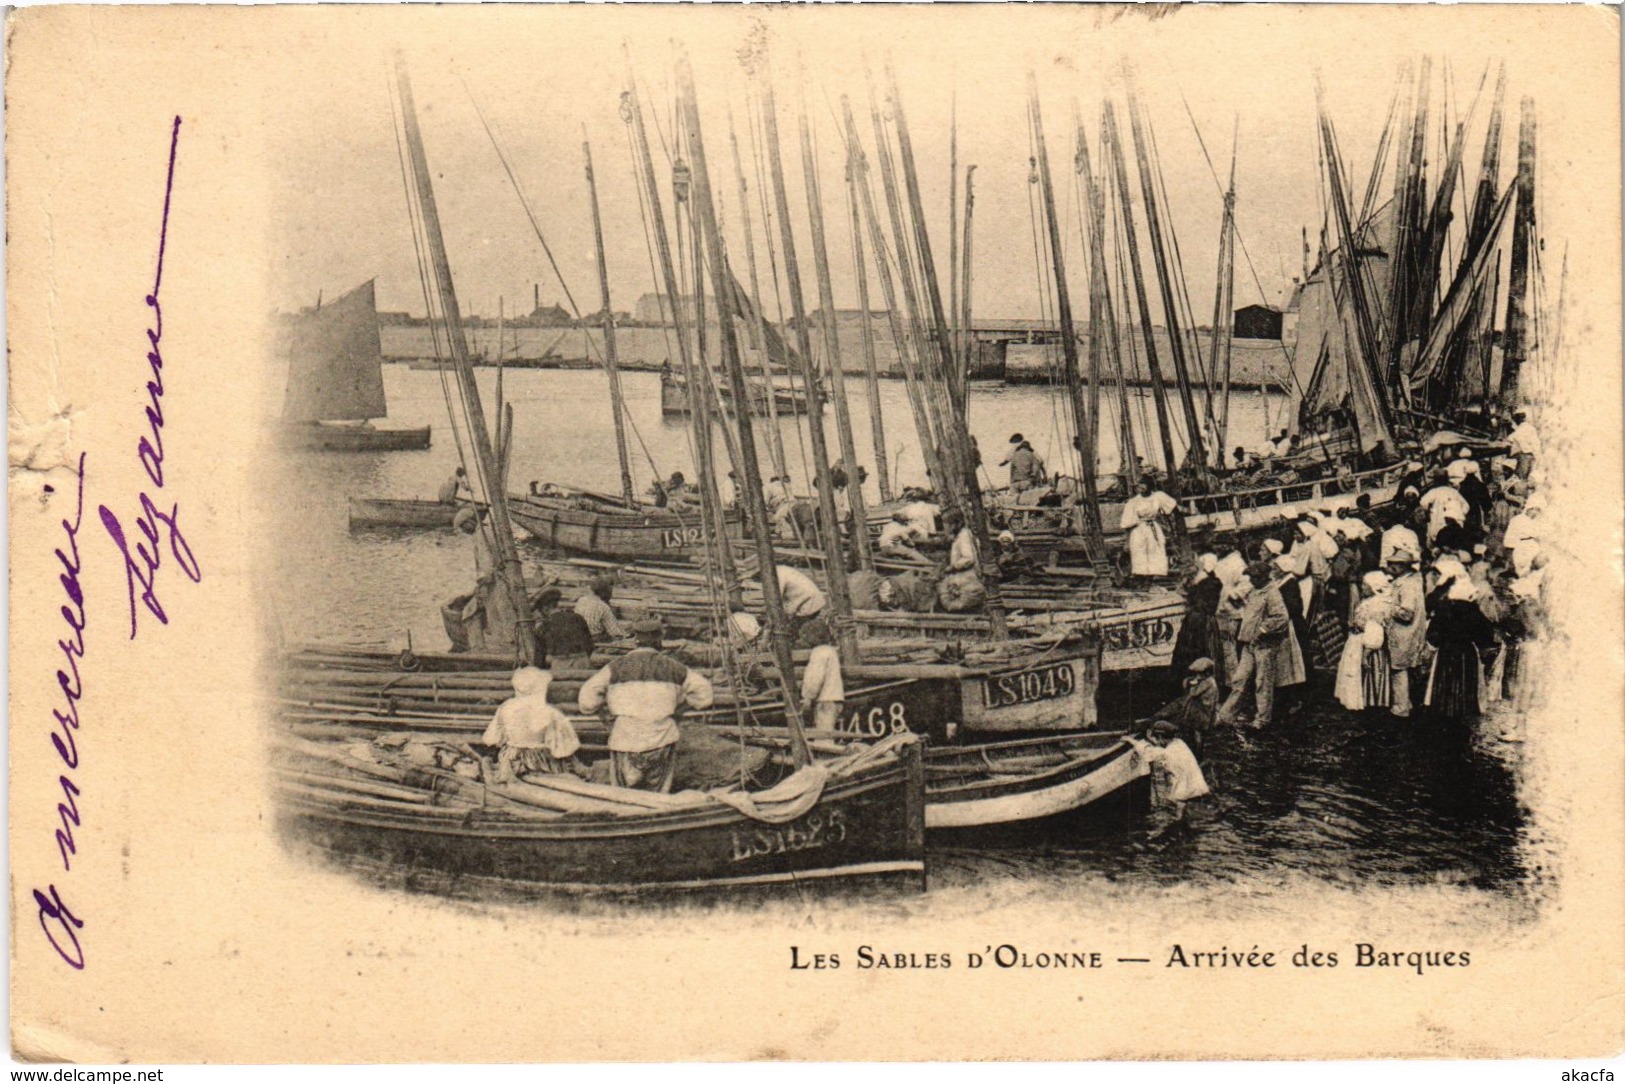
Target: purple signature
<point x="57" y="920"/>
<point x="155" y="525"/>
<point x="60" y="924"/>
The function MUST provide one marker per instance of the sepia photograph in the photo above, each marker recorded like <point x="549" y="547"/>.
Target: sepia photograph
<point x="1101" y="520"/>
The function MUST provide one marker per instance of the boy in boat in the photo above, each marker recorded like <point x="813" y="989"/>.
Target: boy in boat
<point x="961" y="589"/>
<point x="802" y="600"/>
<point x="593" y="608"/>
<point x="897" y="540"/>
<point x="822" y="691"/>
<point x="563" y="640"/>
<point x="1196" y="710"/>
<point x="1177" y="778"/>
<point x="531" y="735"/>
<point x="642" y="691"/>
<point x="454" y="485"/>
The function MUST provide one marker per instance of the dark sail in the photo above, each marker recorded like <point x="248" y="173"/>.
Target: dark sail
<point x="335" y="363"/>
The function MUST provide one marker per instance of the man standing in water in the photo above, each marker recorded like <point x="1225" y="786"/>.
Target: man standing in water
<point x="642" y="690"/>
<point x="1265" y="634"/>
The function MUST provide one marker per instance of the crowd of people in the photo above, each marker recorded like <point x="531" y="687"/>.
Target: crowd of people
<point x="1428" y="607"/>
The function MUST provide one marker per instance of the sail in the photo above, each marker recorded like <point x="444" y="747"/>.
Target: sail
<point x="1458" y="302"/>
<point x="780" y="355"/>
<point x="335" y="365"/>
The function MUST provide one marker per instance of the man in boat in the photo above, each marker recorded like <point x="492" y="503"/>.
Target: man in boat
<point x="1147" y="542"/>
<point x="488" y="617"/>
<point x="680" y="496"/>
<point x="803" y="601"/>
<point x="454" y="485"/>
<point x="531" y="735"/>
<point x="922" y="514"/>
<point x="1523" y="442"/>
<point x="961" y="589"/>
<point x="593" y="608"/>
<point x="1026" y="471"/>
<point x="897" y="540"/>
<point x="563" y="639"/>
<point x="642" y="691"/>
<point x="823" y="693"/>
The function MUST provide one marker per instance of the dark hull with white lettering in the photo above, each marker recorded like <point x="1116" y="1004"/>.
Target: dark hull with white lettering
<point x="353" y="438"/>
<point x="869" y="825"/>
<point x="581" y="525"/>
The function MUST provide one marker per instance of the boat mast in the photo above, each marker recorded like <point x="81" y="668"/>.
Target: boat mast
<point x="507" y="551"/>
<point x="901" y="340"/>
<point x="1159" y="394"/>
<point x="775" y="436"/>
<point x="1100" y="293"/>
<point x="1195" y="453"/>
<point x="751" y="492"/>
<point x="961" y="362"/>
<point x="955" y="431"/>
<point x="632" y="113"/>
<point x="1523" y="235"/>
<point x="835" y="562"/>
<point x="832" y="355"/>
<point x="1223" y="300"/>
<point x="877" y="424"/>
<point x="1083" y="422"/>
<point x="611" y="362"/>
<point x="967" y="337"/>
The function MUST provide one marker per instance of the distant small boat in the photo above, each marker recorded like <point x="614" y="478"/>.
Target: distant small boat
<point x="380" y="512"/>
<point x="336" y="383"/>
<point x="674" y="397"/>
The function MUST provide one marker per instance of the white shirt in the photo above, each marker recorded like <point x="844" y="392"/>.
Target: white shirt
<point x="801" y="595"/>
<point x="1443" y="504"/>
<point x="893" y="533"/>
<point x="821" y="681"/>
<point x="1524" y="440"/>
<point x="1399" y="537"/>
<point x="1185" y="780"/>
<point x="963" y="553"/>
<point x="1521" y="530"/>
<point x="922" y="516"/>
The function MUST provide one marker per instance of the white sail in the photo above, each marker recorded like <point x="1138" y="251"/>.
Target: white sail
<point x="335" y="366"/>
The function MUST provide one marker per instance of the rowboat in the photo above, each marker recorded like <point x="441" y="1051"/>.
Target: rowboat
<point x="380" y="512"/>
<point x="859" y="815"/>
<point x="604" y="527"/>
<point x="1025" y="781"/>
<point x="674" y="397"/>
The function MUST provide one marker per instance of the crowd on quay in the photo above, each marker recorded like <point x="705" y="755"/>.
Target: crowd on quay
<point x="1428" y="608"/>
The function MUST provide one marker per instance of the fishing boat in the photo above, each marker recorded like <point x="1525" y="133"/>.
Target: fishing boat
<point x="609" y="527"/>
<point x="1025" y="781"/>
<point x="368" y="512"/>
<point x="857" y="815"/>
<point x="674" y="400"/>
<point x="336" y="384"/>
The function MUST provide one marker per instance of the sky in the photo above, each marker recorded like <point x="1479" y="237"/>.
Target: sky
<point x="546" y="80"/>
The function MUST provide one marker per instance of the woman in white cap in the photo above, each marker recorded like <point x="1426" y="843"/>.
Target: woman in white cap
<point x="1363" y="670"/>
<point x="1461" y="635"/>
<point x="531" y="735"/>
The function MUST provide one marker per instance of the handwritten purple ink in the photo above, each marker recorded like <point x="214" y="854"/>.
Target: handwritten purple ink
<point x="58" y="922"/>
<point x="154" y="524"/>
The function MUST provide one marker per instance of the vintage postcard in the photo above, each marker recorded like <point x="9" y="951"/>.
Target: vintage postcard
<point x="666" y="533"/>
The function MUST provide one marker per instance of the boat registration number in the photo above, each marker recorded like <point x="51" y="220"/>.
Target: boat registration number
<point x="809" y="833"/>
<point x="878" y="721"/>
<point x="1147" y="632"/>
<point x="1029" y="686"/>
<point x="676" y="538"/>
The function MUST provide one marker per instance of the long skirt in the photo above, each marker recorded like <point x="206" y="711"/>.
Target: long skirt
<point x="1375" y="674"/>
<point x="1454" y="682"/>
<point x="649" y="770"/>
<point x="1349" y="687"/>
<point x="1199" y="639"/>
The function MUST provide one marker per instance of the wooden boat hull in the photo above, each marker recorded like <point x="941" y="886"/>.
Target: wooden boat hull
<point x="674" y="399"/>
<point x="652" y="534"/>
<point x="348" y="438"/>
<point x="379" y="512"/>
<point x="1092" y="768"/>
<point x="869" y="825"/>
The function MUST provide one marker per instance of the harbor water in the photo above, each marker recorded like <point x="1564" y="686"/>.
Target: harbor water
<point x="1322" y="793"/>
